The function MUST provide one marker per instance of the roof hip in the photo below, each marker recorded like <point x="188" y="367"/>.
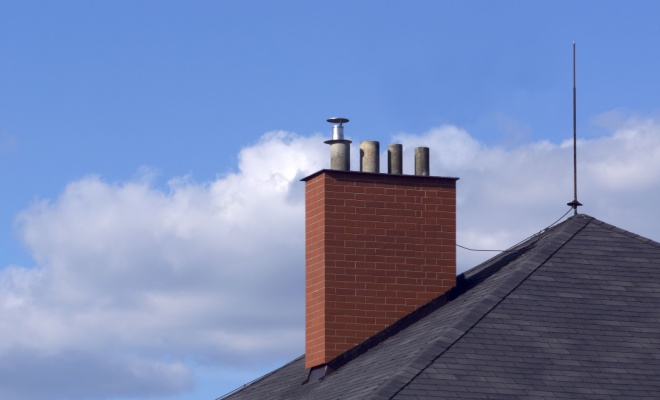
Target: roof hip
<point x="550" y="242"/>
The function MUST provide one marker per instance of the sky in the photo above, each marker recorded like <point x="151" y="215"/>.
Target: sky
<point x="152" y="213"/>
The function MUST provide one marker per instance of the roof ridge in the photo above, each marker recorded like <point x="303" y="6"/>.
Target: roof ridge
<point x="631" y="235"/>
<point x="554" y="239"/>
<point x="528" y="241"/>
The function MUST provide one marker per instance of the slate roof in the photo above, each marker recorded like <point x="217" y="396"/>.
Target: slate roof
<point x="573" y="312"/>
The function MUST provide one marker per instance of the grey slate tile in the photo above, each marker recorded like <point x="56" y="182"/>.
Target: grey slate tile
<point x="575" y="313"/>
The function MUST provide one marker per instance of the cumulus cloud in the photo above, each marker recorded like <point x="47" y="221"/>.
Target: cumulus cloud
<point x="133" y="284"/>
<point x="505" y="195"/>
<point x="132" y="281"/>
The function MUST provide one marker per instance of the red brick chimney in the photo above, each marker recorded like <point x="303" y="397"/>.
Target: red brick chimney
<point x="378" y="247"/>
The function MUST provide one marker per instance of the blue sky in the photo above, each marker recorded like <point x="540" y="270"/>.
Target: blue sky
<point x="150" y="157"/>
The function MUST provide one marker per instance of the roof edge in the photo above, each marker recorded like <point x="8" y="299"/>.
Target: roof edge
<point x="252" y="382"/>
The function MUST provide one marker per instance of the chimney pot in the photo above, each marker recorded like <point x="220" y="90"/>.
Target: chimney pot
<point x="340" y="149"/>
<point x="395" y="159"/>
<point x="340" y="155"/>
<point x="422" y="161"/>
<point x="370" y="156"/>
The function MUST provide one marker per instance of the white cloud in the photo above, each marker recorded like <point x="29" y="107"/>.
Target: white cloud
<point x="134" y="284"/>
<point x="206" y="272"/>
<point x="506" y="195"/>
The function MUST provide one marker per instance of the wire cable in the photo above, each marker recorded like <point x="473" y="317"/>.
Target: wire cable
<point x="467" y="248"/>
<point x="525" y="239"/>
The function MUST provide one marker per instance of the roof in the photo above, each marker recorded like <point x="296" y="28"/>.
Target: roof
<point x="572" y="312"/>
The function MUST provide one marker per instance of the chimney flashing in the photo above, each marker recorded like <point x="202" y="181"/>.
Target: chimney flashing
<point x="319" y="372"/>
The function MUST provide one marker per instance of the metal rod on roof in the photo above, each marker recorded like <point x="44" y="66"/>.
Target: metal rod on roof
<point x="575" y="203"/>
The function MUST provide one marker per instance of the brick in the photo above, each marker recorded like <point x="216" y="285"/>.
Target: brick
<point x="377" y="248"/>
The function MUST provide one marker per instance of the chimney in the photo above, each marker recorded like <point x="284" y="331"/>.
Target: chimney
<point x="378" y="247"/>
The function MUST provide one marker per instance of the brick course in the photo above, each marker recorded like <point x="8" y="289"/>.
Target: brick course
<point x="378" y="247"/>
